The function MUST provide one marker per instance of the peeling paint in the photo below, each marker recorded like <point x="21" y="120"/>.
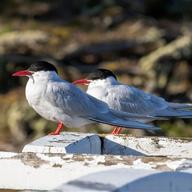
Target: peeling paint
<point x="82" y="158"/>
<point x="46" y="171"/>
<point x="66" y="143"/>
<point x="159" y="163"/>
<point x="139" y="164"/>
<point x="152" y="146"/>
<point x="57" y="165"/>
<point x="92" y="185"/>
<point x="181" y="164"/>
<point x="49" y="162"/>
<point x="31" y="159"/>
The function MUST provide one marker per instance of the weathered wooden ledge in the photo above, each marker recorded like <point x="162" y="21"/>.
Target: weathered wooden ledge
<point x="38" y="171"/>
<point x="78" y="143"/>
<point x="75" y="162"/>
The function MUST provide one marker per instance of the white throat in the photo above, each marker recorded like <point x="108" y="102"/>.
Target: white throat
<point x="103" y="82"/>
<point x="37" y="84"/>
<point x="98" y="88"/>
<point x="44" y="76"/>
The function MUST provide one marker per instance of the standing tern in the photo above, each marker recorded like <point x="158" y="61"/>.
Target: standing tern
<point x="60" y="101"/>
<point x="103" y="85"/>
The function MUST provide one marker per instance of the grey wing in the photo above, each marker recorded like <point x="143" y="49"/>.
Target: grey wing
<point x="74" y="102"/>
<point x="133" y="100"/>
<point x="180" y="105"/>
<point x="71" y="100"/>
<point x="157" y="106"/>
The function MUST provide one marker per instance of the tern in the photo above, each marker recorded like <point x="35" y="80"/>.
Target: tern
<point x="103" y="85"/>
<point x="58" y="100"/>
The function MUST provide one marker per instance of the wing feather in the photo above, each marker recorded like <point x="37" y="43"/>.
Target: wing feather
<point x="133" y="100"/>
<point x="75" y="103"/>
<point x="72" y="101"/>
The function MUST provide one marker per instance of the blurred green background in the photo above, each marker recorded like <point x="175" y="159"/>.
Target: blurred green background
<point x="147" y="43"/>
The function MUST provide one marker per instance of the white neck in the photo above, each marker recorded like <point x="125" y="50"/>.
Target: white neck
<point x="103" y="82"/>
<point x="37" y="84"/>
<point x="98" y="88"/>
<point x="44" y="76"/>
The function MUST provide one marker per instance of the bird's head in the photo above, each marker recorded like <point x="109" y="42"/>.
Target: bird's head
<point x="99" y="74"/>
<point x="36" y="67"/>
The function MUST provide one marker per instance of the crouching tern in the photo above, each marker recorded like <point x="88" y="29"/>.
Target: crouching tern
<point x="60" y="101"/>
<point x="103" y="85"/>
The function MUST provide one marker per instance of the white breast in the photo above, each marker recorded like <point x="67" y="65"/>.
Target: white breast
<point x="97" y="92"/>
<point x="99" y="88"/>
<point x="36" y="90"/>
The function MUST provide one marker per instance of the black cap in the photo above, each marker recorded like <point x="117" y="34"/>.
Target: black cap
<point x="101" y="74"/>
<point x="42" y="66"/>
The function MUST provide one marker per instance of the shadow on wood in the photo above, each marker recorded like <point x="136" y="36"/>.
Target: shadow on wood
<point x="122" y="180"/>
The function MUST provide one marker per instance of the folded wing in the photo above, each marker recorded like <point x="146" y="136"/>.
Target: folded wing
<point x="74" y="102"/>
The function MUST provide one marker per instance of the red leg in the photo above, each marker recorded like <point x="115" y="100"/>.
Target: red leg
<point x="58" y="130"/>
<point x="119" y="129"/>
<point x="116" y="130"/>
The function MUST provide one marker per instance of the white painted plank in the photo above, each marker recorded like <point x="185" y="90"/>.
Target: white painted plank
<point x="66" y="142"/>
<point x="151" y="146"/>
<point x="69" y="142"/>
<point x="49" y="171"/>
<point x="131" y="180"/>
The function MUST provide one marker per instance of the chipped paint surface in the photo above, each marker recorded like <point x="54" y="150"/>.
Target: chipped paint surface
<point x="139" y="164"/>
<point x="182" y="164"/>
<point x="69" y="142"/>
<point x="47" y="171"/>
<point x="66" y="142"/>
<point x="53" y="161"/>
<point x="153" y="146"/>
<point x="131" y="180"/>
<point x="6" y="155"/>
<point x="48" y="160"/>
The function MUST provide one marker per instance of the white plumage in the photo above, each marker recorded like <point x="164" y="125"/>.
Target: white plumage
<point x="130" y="99"/>
<point x="58" y="100"/>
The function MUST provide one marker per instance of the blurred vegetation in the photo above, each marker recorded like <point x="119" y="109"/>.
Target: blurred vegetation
<point x="146" y="43"/>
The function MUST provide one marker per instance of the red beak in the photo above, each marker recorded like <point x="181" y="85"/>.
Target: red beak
<point x="22" y="73"/>
<point x="82" y="82"/>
